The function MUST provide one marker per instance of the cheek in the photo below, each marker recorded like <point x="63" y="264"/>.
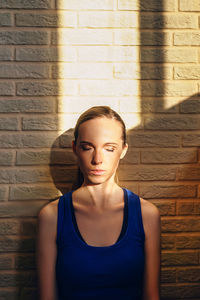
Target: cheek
<point x="114" y="161"/>
<point x="83" y="158"/>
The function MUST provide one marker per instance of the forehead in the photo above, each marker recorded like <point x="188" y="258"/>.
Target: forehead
<point x="100" y="128"/>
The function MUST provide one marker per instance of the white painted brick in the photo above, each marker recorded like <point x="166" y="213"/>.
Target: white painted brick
<point x="60" y="19"/>
<point x="192" y="106"/>
<point x="6" y="19"/>
<point x="108" y="19"/>
<point x="52" y="54"/>
<point x="187" y="38"/>
<point x="168" y="88"/>
<point x="147" y="173"/>
<point x="16" y="209"/>
<point x="141" y="71"/>
<point x="192" y="5"/>
<point x="168" y="21"/>
<point x="26" y="4"/>
<point x="24" y="71"/>
<point x="148" y="105"/>
<point x="187" y="72"/>
<point x="144" y="139"/>
<point x="34" y="192"/>
<point x="45" y="88"/>
<point x="127" y="70"/>
<point x="109" y="87"/>
<point x="28" y="157"/>
<point x="30" y="105"/>
<point x="130" y="105"/>
<point x="45" y="157"/>
<point x="7" y="88"/>
<point x="4" y="193"/>
<point x="172" y="102"/>
<point x="132" y="121"/>
<point x="67" y="121"/>
<point x="38" y="123"/>
<point x="83" y="70"/>
<point x="168" y="156"/>
<point x="6" y="54"/>
<point x="127" y="37"/>
<point x="169" y="55"/>
<point x="191" y="140"/>
<point x="134" y="37"/>
<point x="81" y="103"/>
<point x="143" y="5"/>
<point x="132" y="157"/>
<point x="172" y="122"/>
<point x="6" y="158"/>
<point x="83" y="37"/>
<point x="28" y="140"/>
<point x="108" y="54"/>
<point x="9" y="123"/>
<point x="68" y="53"/>
<point x="25" y="175"/>
<point x="85" y="4"/>
<point x="167" y="191"/>
<point x="24" y="37"/>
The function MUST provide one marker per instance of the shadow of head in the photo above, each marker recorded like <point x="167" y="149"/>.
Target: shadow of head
<point x="163" y="150"/>
<point x="63" y="166"/>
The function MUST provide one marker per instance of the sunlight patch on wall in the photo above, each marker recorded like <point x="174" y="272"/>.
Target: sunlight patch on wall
<point x="98" y="62"/>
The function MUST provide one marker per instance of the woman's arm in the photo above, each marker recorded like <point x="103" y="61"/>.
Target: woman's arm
<point x="47" y="251"/>
<point x="151" y="222"/>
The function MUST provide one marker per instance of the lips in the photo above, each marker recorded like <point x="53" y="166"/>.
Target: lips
<point x="97" y="172"/>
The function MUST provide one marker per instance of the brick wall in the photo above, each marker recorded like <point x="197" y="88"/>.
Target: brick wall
<point x="60" y="57"/>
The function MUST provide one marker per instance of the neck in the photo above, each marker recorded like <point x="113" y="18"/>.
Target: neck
<point x="103" y="195"/>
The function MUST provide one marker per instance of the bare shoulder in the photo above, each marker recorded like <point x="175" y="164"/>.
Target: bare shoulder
<point x="48" y="214"/>
<point x="149" y="209"/>
<point x="150" y="216"/>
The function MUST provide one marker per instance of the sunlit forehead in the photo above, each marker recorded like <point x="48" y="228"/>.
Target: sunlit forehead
<point x="100" y="131"/>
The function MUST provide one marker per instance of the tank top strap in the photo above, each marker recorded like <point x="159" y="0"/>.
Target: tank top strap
<point x="135" y="215"/>
<point x="63" y="214"/>
<point x="125" y="216"/>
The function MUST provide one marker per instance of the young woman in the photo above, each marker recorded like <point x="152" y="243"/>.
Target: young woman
<point x="99" y="241"/>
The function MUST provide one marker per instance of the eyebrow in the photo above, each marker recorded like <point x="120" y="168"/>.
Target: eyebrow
<point x="108" y="143"/>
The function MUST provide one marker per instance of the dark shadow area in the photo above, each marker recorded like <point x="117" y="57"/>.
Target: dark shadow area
<point x="63" y="165"/>
<point x="41" y="100"/>
<point x="168" y="140"/>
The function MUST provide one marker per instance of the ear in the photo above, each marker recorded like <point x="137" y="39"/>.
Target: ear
<point x="124" y="150"/>
<point x="74" y="147"/>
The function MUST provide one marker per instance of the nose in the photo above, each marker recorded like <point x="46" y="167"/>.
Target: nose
<point x="97" y="157"/>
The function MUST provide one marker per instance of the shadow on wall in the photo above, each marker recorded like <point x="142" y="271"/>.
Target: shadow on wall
<point x="165" y="152"/>
<point x="36" y="187"/>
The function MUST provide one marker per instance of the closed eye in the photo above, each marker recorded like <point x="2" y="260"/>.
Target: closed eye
<point x="110" y="149"/>
<point x="84" y="148"/>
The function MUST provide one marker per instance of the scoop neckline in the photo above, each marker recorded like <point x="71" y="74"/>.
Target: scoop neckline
<point x="117" y="243"/>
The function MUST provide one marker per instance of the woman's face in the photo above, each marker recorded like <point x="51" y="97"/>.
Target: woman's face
<point x="99" y="148"/>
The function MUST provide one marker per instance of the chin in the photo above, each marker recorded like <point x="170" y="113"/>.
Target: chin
<point x="94" y="180"/>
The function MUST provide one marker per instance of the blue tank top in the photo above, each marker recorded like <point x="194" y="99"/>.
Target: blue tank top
<point x="85" y="272"/>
